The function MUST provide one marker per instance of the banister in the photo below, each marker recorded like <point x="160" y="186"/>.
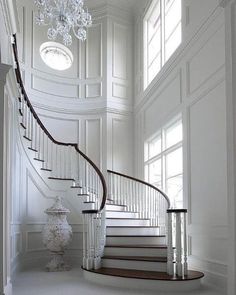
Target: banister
<point x="75" y="145"/>
<point x="143" y="182"/>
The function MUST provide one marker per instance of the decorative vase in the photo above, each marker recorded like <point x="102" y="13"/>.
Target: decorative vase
<point x="57" y="234"/>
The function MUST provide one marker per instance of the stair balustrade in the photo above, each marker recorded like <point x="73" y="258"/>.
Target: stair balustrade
<point x="66" y="162"/>
<point x="141" y="197"/>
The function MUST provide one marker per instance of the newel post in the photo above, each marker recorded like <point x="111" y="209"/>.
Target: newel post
<point x="177" y="257"/>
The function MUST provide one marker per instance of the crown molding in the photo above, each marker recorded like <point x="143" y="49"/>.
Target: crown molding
<point x="10" y="16"/>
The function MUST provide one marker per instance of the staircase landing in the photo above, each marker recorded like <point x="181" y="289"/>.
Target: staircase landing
<point x="144" y="280"/>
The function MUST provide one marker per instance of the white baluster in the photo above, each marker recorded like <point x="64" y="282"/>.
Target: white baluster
<point x="185" y="245"/>
<point x="170" y="253"/>
<point x="178" y="245"/>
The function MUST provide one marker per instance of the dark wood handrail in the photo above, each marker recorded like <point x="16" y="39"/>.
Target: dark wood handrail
<point x="176" y="210"/>
<point x="75" y="145"/>
<point x="143" y="182"/>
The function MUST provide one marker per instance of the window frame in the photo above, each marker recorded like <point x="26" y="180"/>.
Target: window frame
<point x="164" y="153"/>
<point x="163" y="42"/>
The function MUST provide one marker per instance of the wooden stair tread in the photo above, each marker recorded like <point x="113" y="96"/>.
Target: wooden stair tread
<point x="134" y="226"/>
<point x="120" y="211"/>
<point x="37" y="159"/>
<point x="128" y="218"/>
<point x="146" y="275"/>
<point x="138" y="246"/>
<point x="116" y="205"/>
<point x="137" y="236"/>
<point x="26" y="137"/>
<point x="32" y="149"/>
<point x="46" y="169"/>
<point x="136" y="258"/>
<point x="59" y="178"/>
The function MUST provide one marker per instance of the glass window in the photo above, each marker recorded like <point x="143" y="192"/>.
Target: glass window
<point x="162" y="35"/>
<point x="164" y="161"/>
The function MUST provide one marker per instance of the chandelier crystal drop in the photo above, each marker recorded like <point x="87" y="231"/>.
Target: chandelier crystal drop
<point x="64" y="17"/>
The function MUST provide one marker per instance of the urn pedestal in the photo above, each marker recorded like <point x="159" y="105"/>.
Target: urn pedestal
<point x="57" y="234"/>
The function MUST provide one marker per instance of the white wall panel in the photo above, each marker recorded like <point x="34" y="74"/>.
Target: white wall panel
<point x="122" y="145"/>
<point x="119" y="90"/>
<point x="209" y="249"/>
<point x="17" y="190"/>
<point x="208" y="159"/>
<point x="54" y="88"/>
<point x="34" y="241"/>
<point x="204" y="63"/>
<point x="21" y="38"/>
<point x="119" y="50"/>
<point x="62" y="129"/>
<point x="36" y="201"/>
<point x="93" y="90"/>
<point x="94" y="52"/>
<point x="93" y="139"/>
<point x="196" y="14"/>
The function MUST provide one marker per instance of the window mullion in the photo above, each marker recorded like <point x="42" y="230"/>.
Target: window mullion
<point x="162" y="3"/>
<point x="162" y="160"/>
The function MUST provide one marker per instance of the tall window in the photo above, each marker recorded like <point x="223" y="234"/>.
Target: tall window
<point x="164" y="161"/>
<point x="162" y="35"/>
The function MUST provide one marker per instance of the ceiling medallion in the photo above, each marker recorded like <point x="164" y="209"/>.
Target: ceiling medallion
<point x="63" y="17"/>
<point x="56" y="56"/>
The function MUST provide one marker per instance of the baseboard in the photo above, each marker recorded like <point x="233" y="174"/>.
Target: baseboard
<point x="39" y="259"/>
<point x="8" y="287"/>
<point x="215" y="272"/>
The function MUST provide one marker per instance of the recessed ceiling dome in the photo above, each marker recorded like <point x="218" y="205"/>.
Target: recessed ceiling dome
<point x="56" y="56"/>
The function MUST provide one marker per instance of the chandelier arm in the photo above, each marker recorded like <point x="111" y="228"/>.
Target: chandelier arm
<point x="65" y="16"/>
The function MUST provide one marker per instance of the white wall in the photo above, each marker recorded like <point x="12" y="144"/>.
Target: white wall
<point x="193" y="83"/>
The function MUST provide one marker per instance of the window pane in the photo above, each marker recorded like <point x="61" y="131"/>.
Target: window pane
<point x="173" y="42"/>
<point x="154" y="21"/>
<point x="174" y="163"/>
<point x="172" y="17"/>
<point x="154" y="147"/>
<point x="174" y="190"/>
<point x="154" y="47"/>
<point x="174" y="134"/>
<point x="154" y="68"/>
<point x="155" y="173"/>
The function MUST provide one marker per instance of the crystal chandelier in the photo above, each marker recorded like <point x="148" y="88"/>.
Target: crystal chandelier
<point x="64" y="16"/>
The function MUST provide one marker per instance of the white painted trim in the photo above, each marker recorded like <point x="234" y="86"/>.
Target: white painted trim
<point x="8" y="287"/>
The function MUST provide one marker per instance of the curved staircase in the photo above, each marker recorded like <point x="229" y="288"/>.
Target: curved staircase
<point x="136" y="252"/>
<point x="125" y="228"/>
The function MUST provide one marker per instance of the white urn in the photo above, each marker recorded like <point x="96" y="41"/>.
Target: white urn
<point x="57" y="234"/>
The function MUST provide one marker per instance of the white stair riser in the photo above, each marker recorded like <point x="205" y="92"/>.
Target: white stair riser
<point x="127" y="222"/>
<point x="115" y="208"/>
<point x="132" y="231"/>
<point x="140" y="265"/>
<point x="144" y="252"/>
<point x="114" y="214"/>
<point x="135" y="240"/>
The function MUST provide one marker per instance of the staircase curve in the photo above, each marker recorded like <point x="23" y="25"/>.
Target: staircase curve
<point x="131" y="237"/>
